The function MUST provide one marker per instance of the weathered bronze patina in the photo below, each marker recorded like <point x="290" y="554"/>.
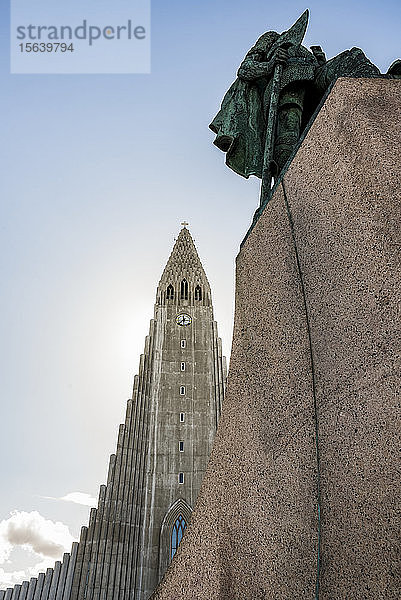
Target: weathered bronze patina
<point x="278" y="88"/>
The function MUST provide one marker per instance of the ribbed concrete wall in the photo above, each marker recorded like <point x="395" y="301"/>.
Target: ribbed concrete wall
<point x="301" y="498"/>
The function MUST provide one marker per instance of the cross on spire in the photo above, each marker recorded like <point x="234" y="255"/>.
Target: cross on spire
<point x="184" y="224"/>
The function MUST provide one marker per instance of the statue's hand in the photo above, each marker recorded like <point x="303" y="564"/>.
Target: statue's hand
<point x="281" y="56"/>
<point x="319" y="54"/>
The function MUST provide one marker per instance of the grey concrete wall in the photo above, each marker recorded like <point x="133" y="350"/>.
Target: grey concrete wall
<point x="311" y="417"/>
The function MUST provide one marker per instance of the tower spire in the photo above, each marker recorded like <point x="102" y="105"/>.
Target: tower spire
<point x="184" y="265"/>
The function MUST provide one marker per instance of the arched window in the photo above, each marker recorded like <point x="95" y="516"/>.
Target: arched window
<point x="170" y="292"/>
<point x="176" y="535"/>
<point x="184" y="289"/>
<point x="178" y="509"/>
<point x="198" y="293"/>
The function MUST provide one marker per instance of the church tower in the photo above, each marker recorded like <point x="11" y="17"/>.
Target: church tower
<point x="163" y="446"/>
<point x="162" y="450"/>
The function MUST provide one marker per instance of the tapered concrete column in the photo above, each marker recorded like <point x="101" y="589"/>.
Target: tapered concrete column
<point x="39" y="586"/>
<point x="70" y="571"/>
<point x="47" y="584"/>
<point x="63" y="575"/>
<point x="55" y="579"/>
<point x="16" y="592"/>
<point x="31" y="588"/>
<point x="24" y="590"/>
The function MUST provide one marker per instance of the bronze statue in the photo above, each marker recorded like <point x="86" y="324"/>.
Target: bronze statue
<point x="278" y="87"/>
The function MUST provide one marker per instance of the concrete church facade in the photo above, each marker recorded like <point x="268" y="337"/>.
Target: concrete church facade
<point x="162" y="450"/>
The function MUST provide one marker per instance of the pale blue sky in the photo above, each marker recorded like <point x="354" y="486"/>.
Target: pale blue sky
<point x="97" y="172"/>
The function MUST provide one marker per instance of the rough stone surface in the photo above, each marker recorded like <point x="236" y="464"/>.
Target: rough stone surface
<point x="349" y="240"/>
<point x="316" y="344"/>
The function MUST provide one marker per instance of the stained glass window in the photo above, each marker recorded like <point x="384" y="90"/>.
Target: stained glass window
<point x="177" y="533"/>
<point x="170" y="292"/>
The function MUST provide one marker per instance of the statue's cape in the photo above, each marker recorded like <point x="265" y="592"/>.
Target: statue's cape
<point x="240" y="128"/>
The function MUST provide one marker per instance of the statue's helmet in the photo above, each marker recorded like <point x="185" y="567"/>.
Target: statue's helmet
<point x="266" y="41"/>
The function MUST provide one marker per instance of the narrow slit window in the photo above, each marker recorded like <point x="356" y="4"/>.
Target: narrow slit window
<point x="181" y="446"/>
<point x="180" y="477"/>
<point x="198" y="293"/>
<point x="182" y="390"/>
<point x="183" y="343"/>
<point x="182" y="417"/>
<point x="182" y="366"/>
<point x="170" y="292"/>
<point x="184" y="289"/>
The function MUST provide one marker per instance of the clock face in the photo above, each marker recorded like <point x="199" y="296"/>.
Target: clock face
<point x="183" y="320"/>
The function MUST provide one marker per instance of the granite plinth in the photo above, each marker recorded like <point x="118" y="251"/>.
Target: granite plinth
<point x="313" y="409"/>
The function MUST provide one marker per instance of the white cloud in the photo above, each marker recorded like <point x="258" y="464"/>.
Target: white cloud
<point x="33" y="531"/>
<point x="80" y="498"/>
<point x="41" y="539"/>
<point x="10" y="579"/>
<point x="77" y="498"/>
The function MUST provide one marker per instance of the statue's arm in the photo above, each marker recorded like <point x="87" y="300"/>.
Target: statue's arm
<point x="252" y="69"/>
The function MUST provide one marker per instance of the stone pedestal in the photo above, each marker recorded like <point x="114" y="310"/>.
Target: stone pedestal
<point x="312" y="414"/>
